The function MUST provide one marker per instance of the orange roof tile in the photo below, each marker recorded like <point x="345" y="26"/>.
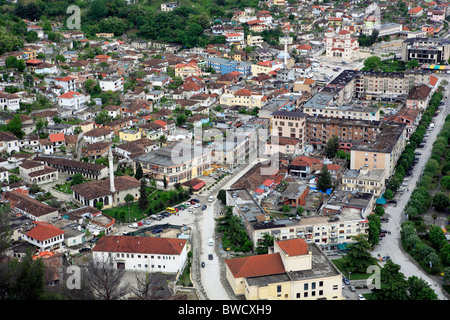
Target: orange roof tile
<point x="253" y="266"/>
<point x="294" y="247"/>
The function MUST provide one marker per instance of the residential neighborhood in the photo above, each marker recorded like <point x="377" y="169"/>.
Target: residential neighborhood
<point x="228" y="150"/>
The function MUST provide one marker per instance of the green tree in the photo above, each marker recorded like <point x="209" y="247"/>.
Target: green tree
<point x="143" y="195"/>
<point x="139" y="172"/>
<point x="15" y="126"/>
<point x="98" y="10"/>
<point x="358" y="258"/>
<point x="331" y="147"/>
<point x="165" y="182"/>
<point x="265" y="243"/>
<point x="440" y="201"/>
<point x="324" y="181"/>
<point x="437" y="237"/>
<point x="419" y="290"/>
<point x="11" y="62"/>
<point x="77" y="178"/>
<point x="372" y="64"/>
<point x="393" y="284"/>
<point x="222" y="196"/>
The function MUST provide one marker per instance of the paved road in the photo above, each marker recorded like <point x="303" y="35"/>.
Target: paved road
<point x="391" y="244"/>
<point x="211" y="278"/>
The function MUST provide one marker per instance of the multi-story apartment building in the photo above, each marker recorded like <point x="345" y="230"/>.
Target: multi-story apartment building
<point x="177" y="162"/>
<point x="389" y="85"/>
<point x="112" y="84"/>
<point x="349" y="131"/>
<point x="383" y="151"/>
<point x="289" y="124"/>
<point x="327" y="230"/>
<point x="366" y="181"/>
<point x="426" y="50"/>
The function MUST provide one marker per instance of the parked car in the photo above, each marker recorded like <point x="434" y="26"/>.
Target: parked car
<point x="211" y="199"/>
<point x="385" y="258"/>
<point x="85" y="249"/>
<point x="361" y="297"/>
<point x="204" y="207"/>
<point x="197" y="205"/>
<point x="210" y="256"/>
<point x="345" y="280"/>
<point x="203" y="264"/>
<point x="157" y="231"/>
<point x="417" y="153"/>
<point x="352" y="289"/>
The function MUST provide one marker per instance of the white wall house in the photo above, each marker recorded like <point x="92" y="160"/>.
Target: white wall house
<point x="67" y="83"/>
<point x="150" y="254"/>
<point x="45" y="236"/>
<point x="112" y="84"/>
<point x="10" y="102"/>
<point x="72" y="100"/>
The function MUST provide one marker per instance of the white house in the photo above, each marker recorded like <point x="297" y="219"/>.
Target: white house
<point x="112" y="84"/>
<point x="9" y="101"/>
<point x="150" y="254"/>
<point x="72" y="100"/>
<point x="45" y="236"/>
<point x="46" y="68"/>
<point x="9" y="142"/>
<point x="235" y="38"/>
<point x="66" y="83"/>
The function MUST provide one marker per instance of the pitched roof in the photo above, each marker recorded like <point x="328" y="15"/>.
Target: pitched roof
<point x="70" y="95"/>
<point x="149" y="245"/>
<point x="294" y="247"/>
<point x="56" y="137"/>
<point x="101" y="188"/>
<point x="253" y="266"/>
<point x="43" y="231"/>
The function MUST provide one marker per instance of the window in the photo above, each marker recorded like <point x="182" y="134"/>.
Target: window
<point x="278" y="288"/>
<point x="305" y="286"/>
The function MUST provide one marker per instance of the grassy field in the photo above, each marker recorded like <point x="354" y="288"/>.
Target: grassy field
<point x="64" y="188"/>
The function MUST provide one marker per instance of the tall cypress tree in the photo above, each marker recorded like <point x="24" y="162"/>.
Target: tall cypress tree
<point x="324" y="181"/>
<point x="143" y="197"/>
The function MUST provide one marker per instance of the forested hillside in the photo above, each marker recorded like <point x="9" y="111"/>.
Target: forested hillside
<point x="184" y="25"/>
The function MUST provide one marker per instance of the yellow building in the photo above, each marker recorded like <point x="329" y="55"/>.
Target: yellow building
<point x="383" y="152"/>
<point x="286" y="274"/>
<point x="130" y="135"/>
<point x="243" y="97"/>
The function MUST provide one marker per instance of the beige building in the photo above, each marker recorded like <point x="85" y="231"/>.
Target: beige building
<point x="294" y="271"/>
<point x="35" y="172"/>
<point x="177" y="162"/>
<point x="243" y="97"/>
<point x="383" y="152"/>
<point x="289" y="124"/>
<point x="367" y="181"/>
<point x="254" y="40"/>
<point x="319" y="229"/>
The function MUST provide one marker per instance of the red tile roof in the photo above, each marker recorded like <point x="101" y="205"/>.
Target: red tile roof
<point x="149" y="245"/>
<point x="43" y="231"/>
<point x="294" y="247"/>
<point x="56" y="137"/>
<point x="70" y="95"/>
<point x="253" y="266"/>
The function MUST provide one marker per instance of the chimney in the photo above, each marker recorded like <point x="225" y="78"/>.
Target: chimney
<point x="111" y="172"/>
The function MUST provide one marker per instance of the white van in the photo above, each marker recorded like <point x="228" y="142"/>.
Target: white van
<point x="211" y="199"/>
<point x="210" y="242"/>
